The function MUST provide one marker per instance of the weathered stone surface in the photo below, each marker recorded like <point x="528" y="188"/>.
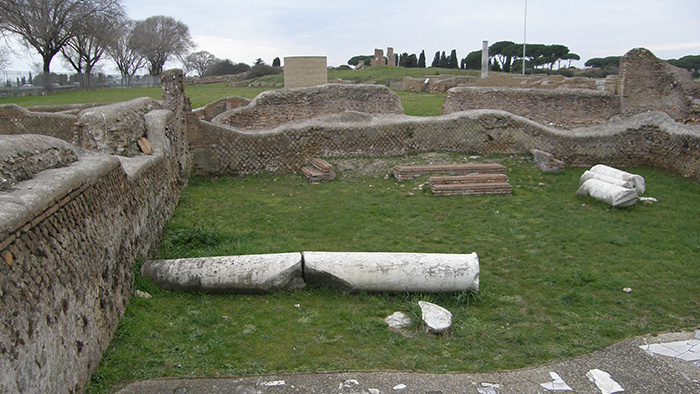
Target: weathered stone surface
<point x="564" y="108"/>
<point x="15" y="120"/>
<point x="636" y="182"/>
<point x="22" y="156"/>
<point x="73" y="234"/>
<point x="398" y="321"/>
<point x="275" y="107"/>
<point x="229" y="274"/>
<point x="436" y="318"/>
<point x="115" y="128"/>
<point x="546" y="162"/>
<point x="393" y="272"/>
<point x="616" y="196"/>
<point x="648" y="83"/>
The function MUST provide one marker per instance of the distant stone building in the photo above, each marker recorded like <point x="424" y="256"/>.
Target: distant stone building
<point x="305" y="71"/>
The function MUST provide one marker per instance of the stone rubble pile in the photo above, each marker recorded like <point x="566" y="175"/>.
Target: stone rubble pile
<point x="319" y="171"/>
<point x="437" y="320"/>
<point x="546" y="162"/>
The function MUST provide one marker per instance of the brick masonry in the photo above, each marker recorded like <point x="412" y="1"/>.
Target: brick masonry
<point x="15" y="120"/>
<point x="650" y="84"/>
<point x="67" y="254"/>
<point x="565" y="108"/>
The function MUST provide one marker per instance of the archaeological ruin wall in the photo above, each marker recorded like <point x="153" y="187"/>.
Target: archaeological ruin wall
<point x="564" y="108"/>
<point x="280" y="133"/>
<point x="646" y="139"/>
<point x="651" y="84"/>
<point x="71" y="228"/>
<point x="15" y="120"/>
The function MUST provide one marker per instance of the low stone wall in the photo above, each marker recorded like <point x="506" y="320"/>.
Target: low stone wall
<point x="646" y="139"/>
<point x="15" y="120"/>
<point x="68" y="240"/>
<point x="564" y="108"/>
<point x="442" y="83"/>
<point x="276" y="107"/>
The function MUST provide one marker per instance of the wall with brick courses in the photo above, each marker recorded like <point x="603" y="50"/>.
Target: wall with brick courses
<point x="565" y="108"/>
<point x="441" y="83"/>
<point x="650" y="84"/>
<point x="305" y="71"/>
<point x="68" y="241"/>
<point x="646" y="139"/>
<point x="276" y="107"/>
<point x="16" y="120"/>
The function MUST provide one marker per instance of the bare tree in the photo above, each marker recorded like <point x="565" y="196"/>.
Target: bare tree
<point x="4" y="58"/>
<point x="89" y="44"/>
<point x="199" y="62"/>
<point x="160" y="37"/>
<point x="127" y="59"/>
<point x="47" y="25"/>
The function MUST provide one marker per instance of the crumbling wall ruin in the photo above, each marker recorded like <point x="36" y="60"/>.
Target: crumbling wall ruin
<point x="650" y="84"/>
<point x="70" y="230"/>
<point x="565" y="108"/>
<point x="646" y="139"/>
<point x="276" y="107"/>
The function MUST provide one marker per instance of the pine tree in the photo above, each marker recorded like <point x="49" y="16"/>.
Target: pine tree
<point x="421" y="59"/>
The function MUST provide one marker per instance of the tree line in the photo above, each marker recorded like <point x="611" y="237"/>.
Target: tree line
<point x="503" y="56"/>
<point x="507" y="56"/>
<point x="85" y="32"/>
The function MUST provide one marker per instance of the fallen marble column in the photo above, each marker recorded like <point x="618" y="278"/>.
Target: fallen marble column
<point x="614" y="195"/>
<point x="392" y="272"/>
<point x="628" y="183"/>
<point x="261" y="273"/>
<point x="637" y="181"/>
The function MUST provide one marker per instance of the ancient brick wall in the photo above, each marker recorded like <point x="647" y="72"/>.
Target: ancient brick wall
<point x="441" y="83"/>
<point x="68" y="240"/>
<point x="650" y="84"/>
<point x="647" y="139"/>
<point x="276" y="107"/>
<point x="565" y="108"/>
<point x="17" y="120"/>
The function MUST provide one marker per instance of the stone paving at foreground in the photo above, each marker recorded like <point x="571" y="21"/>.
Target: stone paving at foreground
<point x="650" y="364"/>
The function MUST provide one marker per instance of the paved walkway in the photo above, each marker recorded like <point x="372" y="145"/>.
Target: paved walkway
<point x="652" y="364"/>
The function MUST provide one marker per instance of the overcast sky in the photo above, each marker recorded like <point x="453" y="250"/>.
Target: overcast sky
<point x="246" y="30"/>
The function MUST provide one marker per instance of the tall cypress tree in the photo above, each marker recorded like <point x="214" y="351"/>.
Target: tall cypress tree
<point x="443" y="60"/>
<point x="452" y="60"/>
<point x="436" y="60"/>
<point x="421" y="59"/>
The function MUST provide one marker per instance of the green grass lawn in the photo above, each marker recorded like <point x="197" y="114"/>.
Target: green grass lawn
<point x="553" y="269"/>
